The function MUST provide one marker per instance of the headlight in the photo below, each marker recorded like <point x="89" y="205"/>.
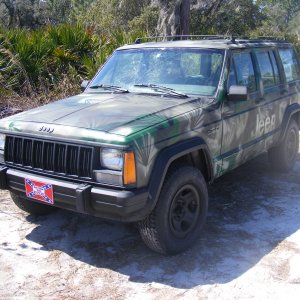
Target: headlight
<point x="112" y="159"/>
<point x="2" y="141"/>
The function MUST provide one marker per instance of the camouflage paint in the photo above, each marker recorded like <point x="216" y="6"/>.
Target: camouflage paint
<point x="233" y="131"/>
<point x="143" y="122"/>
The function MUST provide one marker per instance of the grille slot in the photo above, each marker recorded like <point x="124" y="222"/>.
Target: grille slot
<point x="85" y="161"/>
<point x="37" y="154"/>
<point x="72" y="160"/>
<point x="60" y="158"/>
<point x="49" y="156"/>
<point x="18" y="151"/>
<point x="66" y="159"/>
<point x="27" y="150"/>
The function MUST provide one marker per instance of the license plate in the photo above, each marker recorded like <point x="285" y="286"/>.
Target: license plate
<point x="40" y="191"/>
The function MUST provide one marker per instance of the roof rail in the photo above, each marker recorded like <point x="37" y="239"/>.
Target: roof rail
<point x="230" y="38"/>
<point x="181" y="37"/>
<point x="257" y="39"/>
<point x="268" y="37"/>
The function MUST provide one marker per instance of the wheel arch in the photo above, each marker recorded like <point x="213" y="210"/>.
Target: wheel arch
<point x="291" y="112"/>
<point x="178" y="153"/>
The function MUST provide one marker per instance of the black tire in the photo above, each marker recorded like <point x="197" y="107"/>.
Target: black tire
<point x="32" y="207"/>
<point x="283" y="156"/>
<point x="180" y="213"/>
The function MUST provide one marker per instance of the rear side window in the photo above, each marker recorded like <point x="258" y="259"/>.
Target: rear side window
<point x="275" y="67"/>
<point x="242" y="71"/>
<point x="290" y="64"/>
<point x="268" y="67"/>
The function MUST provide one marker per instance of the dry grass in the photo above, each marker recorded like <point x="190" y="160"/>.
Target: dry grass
<point x="67" y="87"/>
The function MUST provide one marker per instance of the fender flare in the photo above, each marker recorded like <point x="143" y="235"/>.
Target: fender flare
<point x="288" y="114"/>
<point x="164" y="160"/>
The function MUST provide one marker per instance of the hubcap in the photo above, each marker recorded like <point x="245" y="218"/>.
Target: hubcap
<point x="184" y="212"/>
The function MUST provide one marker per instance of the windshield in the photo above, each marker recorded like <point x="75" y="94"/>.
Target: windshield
<point x="182" y="70"/>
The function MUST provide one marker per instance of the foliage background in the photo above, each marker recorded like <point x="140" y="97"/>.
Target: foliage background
<point x="48" y="46"/>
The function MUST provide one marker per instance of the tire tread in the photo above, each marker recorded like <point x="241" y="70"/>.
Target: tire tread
<point x="277" y="155"/>
<point x="148" y="227"/>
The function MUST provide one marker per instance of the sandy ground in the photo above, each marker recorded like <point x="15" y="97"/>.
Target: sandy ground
<point x="250" y="248"/>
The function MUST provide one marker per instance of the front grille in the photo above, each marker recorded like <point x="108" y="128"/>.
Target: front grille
<point x="61" y="158"/>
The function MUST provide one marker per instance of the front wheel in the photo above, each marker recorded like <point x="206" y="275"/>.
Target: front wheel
<point x="180" y="213"/>
<point x="283" y="157"/>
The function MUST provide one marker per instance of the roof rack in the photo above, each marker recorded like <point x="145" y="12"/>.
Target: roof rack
<point x="181" y="37"/>
<point x="257" y="39"/>
<point x="270" y="37"/>
<point x="230" y="38"/>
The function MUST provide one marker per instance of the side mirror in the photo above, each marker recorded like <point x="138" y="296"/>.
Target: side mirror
<point x="238" y="93"/>
<point x="84" y="84"/>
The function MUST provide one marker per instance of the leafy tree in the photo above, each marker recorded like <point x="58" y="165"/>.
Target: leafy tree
<point x="108" y="16"/>
<point x="35" y="13"/>
<point x="54" y="11"/>
<point x="208" y="17"/>
<point x="281" y="16"/>
<point x="237" y="17"/>
<point x="284" y="10"/>
<point x="146" y="21"/>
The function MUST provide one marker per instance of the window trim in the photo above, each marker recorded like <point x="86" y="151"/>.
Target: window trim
<point x="231" y="62"/>
<point x="294" y="52"/>
<point x="272" y="51"/>
<point x="267" y="51"/>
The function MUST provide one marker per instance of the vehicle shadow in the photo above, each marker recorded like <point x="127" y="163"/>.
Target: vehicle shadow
<point x="252" y="210"/>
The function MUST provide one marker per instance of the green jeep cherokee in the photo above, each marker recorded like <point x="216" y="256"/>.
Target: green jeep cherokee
<point x="157" y="123"/>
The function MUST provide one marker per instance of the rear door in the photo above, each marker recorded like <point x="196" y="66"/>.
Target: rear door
<point x="291" y="75"/>
<point x="268" y="125"/>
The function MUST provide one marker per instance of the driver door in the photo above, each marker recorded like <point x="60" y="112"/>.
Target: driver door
<point x="240" y="117"/>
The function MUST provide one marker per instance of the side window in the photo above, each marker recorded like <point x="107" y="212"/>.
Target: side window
<point x="242" y="71"/>
<point x="290" y="64"/>
<point x="268" y="70"/>
<point x="275" y="67"/>
<point x="232" y="77"/>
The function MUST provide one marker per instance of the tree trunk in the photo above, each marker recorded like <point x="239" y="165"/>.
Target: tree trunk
<point x="11" y="8"/>
<point x="185" y="17"/>
<point x="174" y="17"/>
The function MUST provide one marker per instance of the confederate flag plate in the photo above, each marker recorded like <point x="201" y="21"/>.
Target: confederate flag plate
<point x="39" y="191"/>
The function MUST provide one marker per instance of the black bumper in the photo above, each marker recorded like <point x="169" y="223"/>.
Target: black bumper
<point x="121" y="205"/>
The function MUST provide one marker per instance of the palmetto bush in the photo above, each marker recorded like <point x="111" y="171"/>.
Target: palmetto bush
<point x="37" y="63"/>
<point x="28" y="53"/>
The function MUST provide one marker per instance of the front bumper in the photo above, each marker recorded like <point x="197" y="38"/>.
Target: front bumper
<point x="121" y="205"/>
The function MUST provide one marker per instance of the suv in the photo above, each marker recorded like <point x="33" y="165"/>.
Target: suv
<point x="157" y="123"/>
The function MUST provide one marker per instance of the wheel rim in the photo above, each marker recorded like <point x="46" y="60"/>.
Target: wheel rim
<point x="184" y="212"/>
<point x="292" y="147"/>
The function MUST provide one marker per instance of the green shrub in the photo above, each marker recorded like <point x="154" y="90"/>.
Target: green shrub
<point x="35" y="62"/>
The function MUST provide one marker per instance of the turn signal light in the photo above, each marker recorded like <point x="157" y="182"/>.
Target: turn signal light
<point x="129" y="172"/>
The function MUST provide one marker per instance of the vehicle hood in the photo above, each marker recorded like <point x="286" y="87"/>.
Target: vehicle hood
<point x="115" y="114"/>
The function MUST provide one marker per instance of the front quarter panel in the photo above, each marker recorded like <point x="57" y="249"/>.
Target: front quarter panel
<point x="200" y="121"/>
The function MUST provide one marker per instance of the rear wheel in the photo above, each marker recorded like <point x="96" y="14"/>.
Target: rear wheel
<point x="31" y="207"/>
<point x="176" y="222"/>
<point x="283" y="157"/>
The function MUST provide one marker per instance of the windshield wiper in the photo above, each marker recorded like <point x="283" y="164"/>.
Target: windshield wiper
<point x="159" y="88"/>
<point x="109" y="87"/>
